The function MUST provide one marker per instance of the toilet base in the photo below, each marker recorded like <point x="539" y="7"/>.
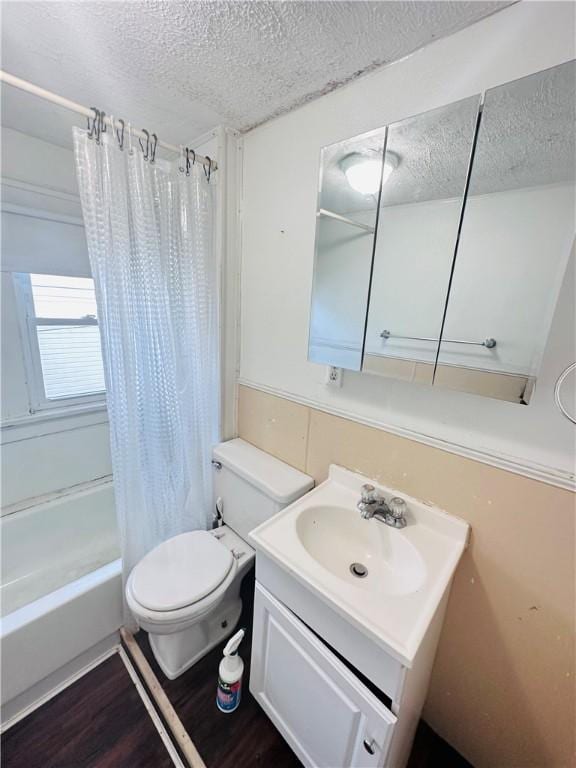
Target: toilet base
<point x="177" y="652"/>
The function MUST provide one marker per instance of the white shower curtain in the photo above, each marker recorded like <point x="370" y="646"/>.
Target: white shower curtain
<point x="150" y="240"/>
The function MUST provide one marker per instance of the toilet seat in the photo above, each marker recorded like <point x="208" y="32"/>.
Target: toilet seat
<point x="180" y="572"/>
<point x="174" y="621"/>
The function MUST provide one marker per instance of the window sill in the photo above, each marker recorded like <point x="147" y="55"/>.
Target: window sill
<point x="52" y="414"/>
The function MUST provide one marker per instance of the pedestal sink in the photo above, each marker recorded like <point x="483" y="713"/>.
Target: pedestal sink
<point x="366" y="554"/>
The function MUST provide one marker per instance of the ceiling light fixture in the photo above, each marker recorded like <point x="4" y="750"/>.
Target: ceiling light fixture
<point x="363" y="172"/>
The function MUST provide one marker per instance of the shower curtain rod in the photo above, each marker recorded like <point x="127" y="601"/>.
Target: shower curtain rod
<point x="73" y="106"/>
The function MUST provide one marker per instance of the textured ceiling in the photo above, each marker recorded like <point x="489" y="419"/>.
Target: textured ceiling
<point x="526" y="139"/>
<point x="180" y="68"/>
<point x="527" y="135"/>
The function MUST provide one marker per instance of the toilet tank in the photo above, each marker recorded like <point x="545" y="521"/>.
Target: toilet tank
<point x="250" y="486"/>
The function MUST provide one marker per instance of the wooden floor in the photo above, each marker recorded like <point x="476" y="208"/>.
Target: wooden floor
<point x="98" y="722"/>
<point x="430" y="751"/>
<point x="247" y="738"/>
<point x="243" y="739"/>
<point x="101" y="722"/>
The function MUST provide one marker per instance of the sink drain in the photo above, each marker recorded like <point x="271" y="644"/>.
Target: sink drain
<point x="358" y="570"/>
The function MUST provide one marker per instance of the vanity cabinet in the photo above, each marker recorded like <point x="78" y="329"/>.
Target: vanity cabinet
<point x="310" y="670"/>
<point x="324" y="712"/>
<point x="342" y="656"/>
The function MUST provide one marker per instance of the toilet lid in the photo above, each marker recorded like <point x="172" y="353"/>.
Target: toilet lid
<point x="180" y="571"/>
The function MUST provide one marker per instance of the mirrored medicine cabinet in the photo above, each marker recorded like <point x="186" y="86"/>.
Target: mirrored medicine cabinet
<point x="442" y="240"/>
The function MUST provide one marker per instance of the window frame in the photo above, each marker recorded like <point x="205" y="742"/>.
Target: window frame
<point x="28" y="321"/>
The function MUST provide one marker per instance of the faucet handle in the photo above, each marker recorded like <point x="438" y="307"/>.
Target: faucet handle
<point x="368" y="493"/>
<point x="398" y="508"/>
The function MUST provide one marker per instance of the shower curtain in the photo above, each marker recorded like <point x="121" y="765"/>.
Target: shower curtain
<point x="150" y="241"/>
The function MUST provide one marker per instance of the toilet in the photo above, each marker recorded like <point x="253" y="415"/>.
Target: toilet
<point x="186" y="591"/>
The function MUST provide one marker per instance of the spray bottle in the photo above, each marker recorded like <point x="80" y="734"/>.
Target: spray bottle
<point x="230" y="675"/>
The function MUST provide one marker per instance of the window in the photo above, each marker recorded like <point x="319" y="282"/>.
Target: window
<point x="62" y="340"/>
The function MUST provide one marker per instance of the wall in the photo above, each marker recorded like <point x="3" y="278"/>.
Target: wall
<point x="517" y="312"/>
<point x="414" y="255"/>
<point x="341" y="282"/>
<point x="281" y="162"/>
<point x="502" y="687"/>
<point x="53" y="454"/>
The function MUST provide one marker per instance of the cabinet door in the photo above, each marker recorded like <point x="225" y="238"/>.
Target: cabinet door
<point x="516" y="237"/>
<point x="425" y="168"/>
<point x="323" y="711"/>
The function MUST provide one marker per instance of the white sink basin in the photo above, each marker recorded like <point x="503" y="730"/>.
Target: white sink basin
<point x="398" y="576"/>
<point x="366" y="554"/>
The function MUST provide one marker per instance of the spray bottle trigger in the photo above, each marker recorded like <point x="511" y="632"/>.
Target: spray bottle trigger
<point x="232" y="645"/>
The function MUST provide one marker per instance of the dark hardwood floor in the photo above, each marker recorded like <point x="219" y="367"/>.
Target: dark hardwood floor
<point x="98" y="722"/>
<point x="431" y="751"/>
<point x="101" y="722"/>
<point x="243" y="739"/>
<point x="247" y="738"/>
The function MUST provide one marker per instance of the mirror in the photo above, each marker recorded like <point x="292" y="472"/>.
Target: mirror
<point x="425" y="169"/>
<point x="517" y="232"/>
<point x="350" y="176"/>
<point x="442" y="240"/>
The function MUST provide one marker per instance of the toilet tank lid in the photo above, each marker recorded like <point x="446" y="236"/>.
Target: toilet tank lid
<point x="278" y="480"/>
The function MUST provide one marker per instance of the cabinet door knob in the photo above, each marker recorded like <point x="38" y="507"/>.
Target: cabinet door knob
<point x="370" y="746"/>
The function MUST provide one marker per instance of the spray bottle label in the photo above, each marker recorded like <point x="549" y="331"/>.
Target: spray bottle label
<point x="228" y="696"/>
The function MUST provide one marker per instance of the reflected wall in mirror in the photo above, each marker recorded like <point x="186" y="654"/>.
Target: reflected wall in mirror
<point x="346" y="219"/>
<point x="517" y="232"/>
<point x="428" y="157"/>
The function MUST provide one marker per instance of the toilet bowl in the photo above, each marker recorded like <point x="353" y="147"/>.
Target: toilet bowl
<point x="186" y="594"/>
<point x="186" y="591"/>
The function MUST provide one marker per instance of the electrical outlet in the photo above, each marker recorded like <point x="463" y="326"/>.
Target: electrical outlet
<point x="334" y="376"/>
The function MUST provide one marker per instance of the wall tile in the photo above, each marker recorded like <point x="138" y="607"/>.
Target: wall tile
<point x="502" y="386"/>
<point x="274" y="424"/>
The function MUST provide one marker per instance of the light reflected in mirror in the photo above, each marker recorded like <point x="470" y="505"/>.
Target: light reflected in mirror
<point x="517" y="232"/>
<point x="420" y="208"/>
<point x="345" y="224"/>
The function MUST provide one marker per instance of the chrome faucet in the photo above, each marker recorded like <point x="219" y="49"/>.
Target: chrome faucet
<point x="373" y="505"/>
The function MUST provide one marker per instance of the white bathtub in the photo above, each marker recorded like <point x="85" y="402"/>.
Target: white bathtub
<point x="61" y="594"/>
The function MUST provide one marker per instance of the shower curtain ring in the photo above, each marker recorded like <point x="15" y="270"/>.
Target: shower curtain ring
<point x="99" y="124"/>
<point x="120" y="134"/>
<point x="146" y="151"/>
<point x="187" y="162"/>
<point x="153" y="150"/>
<point x="208" y="172"/>
<point x="93" y="126"/>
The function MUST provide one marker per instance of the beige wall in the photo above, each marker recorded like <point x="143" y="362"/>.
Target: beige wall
<point x="502" y="690"/>
<point x="502" y="386"/>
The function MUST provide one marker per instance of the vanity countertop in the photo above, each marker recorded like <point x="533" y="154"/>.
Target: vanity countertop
<point x="387" y="582"/>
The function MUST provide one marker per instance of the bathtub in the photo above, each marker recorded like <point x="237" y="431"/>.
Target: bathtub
<point x="61" y="594"/>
